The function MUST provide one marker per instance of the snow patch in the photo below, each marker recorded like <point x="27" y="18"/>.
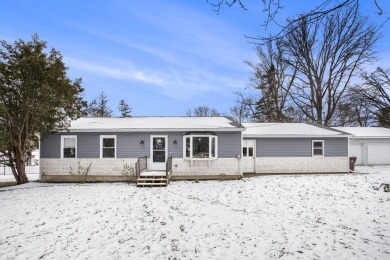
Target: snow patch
<point x="288" y="217"/>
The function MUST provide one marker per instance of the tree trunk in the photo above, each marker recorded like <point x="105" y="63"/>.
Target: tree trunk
<point x="22" y="174"/>
<point x="15" y="174"/>
<point x="19" y="170"/>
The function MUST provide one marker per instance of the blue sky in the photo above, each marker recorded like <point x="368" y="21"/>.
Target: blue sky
<point x="162" y="57"/>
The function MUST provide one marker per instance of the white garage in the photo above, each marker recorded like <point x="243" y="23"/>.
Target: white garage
<point x="378" y="153"/>
<point x="371" y="145"/>
<point x="356" y="150"/>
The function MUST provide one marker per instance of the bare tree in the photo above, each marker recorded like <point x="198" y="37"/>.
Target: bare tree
<point x="271" y="8"/>
<point x="353" y="110"/>
<point x="240" y="113"/>
<point x="202" y="111"/>
<point x="376" y="89"/>
<point x="245" y="108"/>
<point x="327" y="54"/>
<point x="273" y="77"/>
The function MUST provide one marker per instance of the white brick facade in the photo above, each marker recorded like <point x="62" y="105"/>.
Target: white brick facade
<point x="103" y="167"/>
<point x="221" y="166"/>
<point x="114" y="167"/>
<point x="184" y="169"/>
<point x="301" y="164"/>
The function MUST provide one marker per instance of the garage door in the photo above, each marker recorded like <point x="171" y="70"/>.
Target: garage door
<point x="378" y="153"/>
<point x="357" y="150"/>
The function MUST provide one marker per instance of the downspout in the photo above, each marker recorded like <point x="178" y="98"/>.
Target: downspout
<point x="349" y="155"/>
<point x="239" y="158"/>
<point x="349" y="170"/>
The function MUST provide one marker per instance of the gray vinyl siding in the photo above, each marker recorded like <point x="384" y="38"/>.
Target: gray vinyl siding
<point x="336" y="147"/>
<point x="176" y="150"/>
<point x="229" y="144"/>
<point x="299" y="147"/>
<point x="51" y="147"/>
<point x="129" y="144"/>
<point x="88" y="145"/>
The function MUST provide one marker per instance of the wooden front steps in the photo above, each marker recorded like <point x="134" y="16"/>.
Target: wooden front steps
<point x="152" y="179"/>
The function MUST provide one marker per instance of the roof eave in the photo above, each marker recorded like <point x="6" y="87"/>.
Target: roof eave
<point x="371" y="137"/>
<point x="294" y="136"/>
<point x="105" y="130"/>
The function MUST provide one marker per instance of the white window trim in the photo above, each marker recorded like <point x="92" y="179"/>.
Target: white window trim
<point x="191" y="136"/>
<point x="101" y="145"/>
<point x="312" y="148"/>
<point x="63" y="142"/>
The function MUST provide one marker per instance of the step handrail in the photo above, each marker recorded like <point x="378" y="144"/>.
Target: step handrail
<point x="141" y="165"/>
<point x="168" y="168"/>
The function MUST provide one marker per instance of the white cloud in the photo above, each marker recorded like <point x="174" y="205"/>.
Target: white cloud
<point x="180" y="83"/>
<point x="116" y="72"/>
<point x="189" y="54"/>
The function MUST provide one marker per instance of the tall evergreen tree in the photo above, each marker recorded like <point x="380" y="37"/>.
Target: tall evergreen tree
<point x="124" y="108"/>
<point x="36" y="96"/>
<point x="98" y="107"/>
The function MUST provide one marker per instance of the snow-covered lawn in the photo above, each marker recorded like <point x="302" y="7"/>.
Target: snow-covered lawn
<point x="288" y="217"/>
<point x="6" y="173"/>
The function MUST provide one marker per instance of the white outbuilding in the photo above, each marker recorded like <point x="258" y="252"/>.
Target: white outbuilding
<point x="371" y="145"/>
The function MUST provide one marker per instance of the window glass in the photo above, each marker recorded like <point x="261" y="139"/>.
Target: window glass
<point x="318" y="148"/>
<point x="188" y="147"/>
<point x="108" y="142"/>
<point x="200" y="147"/>
<point x="158" y="143"/>
<point x="250" y="151"/>
<point x="213" y="147"/>
<point x="244" y="151"/>
<point x="158" y="149"/>
<point x="108" y="148"/>
<point x="69" y="142"/>
<point x="69" y="147"/>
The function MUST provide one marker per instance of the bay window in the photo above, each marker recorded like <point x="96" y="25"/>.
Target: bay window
<point x="200" y="146"/>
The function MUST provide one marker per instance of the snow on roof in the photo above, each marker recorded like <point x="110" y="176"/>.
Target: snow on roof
<point x="185" y="123"/>
<point x="366" y="132"/>
<point x="289" y="130"/>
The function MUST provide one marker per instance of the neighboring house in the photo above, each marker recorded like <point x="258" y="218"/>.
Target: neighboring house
<point x="201" y="147"/>
<point x="371" y="145"/>
<point x="294" y="148"/>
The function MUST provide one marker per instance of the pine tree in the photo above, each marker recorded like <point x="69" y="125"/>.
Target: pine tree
<point x="98" y="107"/>
<point x="124" y="108"/>
<point x="36" y="97"/>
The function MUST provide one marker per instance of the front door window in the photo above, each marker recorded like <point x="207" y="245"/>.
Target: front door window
<point x="158" y="152"/>
<point x="159" y="149"/>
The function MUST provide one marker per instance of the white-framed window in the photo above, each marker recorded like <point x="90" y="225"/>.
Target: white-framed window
<point x="108" y="146"/>
<point x="68" y="146"/>
<point x="317" y="147"/>
<point x="200" y="147"/>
